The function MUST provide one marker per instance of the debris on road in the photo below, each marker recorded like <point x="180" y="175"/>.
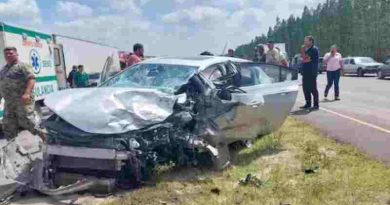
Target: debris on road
<point x="251" y="180"/>
<point x="312" y="169"/>
<point x="216" y="191"/>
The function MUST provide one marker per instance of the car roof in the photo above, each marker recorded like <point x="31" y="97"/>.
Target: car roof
<point x="201" y="62"/>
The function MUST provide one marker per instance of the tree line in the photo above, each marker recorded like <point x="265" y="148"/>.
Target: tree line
<point x="358" y="27"/>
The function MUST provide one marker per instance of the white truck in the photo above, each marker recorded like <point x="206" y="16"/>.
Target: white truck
<point x="52" y="57"/>
<point x="93" y="56"/>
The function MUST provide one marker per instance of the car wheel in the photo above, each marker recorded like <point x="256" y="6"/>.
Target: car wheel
<point x="380" y="75"/>
<point x="360" y="72"/>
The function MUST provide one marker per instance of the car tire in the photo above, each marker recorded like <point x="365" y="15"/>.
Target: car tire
<point x="360" y="72"/>
<point x="380" y="75"/>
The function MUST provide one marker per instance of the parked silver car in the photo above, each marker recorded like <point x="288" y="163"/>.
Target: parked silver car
<point x="360" y="65"/>
<point x="184" y="111"/>
<point x="384" y="70"/>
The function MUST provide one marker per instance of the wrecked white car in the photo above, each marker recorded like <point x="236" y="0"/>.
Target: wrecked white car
<point x="184" y="111"/>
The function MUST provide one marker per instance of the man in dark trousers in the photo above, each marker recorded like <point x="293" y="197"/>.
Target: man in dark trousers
<point x="309" y="73"/>
<point x="71" y="76"/>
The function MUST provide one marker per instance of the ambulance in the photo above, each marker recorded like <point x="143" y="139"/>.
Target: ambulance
<point x="52" y="57"/>
<point x="35" y="49"/>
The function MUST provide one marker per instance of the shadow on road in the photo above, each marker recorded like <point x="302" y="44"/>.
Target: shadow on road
<point x="300" y="112"/>
<point x="355" y="76"/>
<point x="327" y="101"/>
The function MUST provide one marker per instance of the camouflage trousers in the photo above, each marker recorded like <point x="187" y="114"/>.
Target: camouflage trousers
<point x="19" y="117"/>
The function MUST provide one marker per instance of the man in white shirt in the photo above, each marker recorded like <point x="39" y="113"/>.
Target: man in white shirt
<point x="334" y="65"/>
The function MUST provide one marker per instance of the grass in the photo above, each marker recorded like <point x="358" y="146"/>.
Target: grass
<point x="335" y="175"/>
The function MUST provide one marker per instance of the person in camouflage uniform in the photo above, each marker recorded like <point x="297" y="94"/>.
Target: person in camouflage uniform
<point x="16" y="86"/>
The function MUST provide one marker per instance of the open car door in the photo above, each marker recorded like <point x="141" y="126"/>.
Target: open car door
<point x="109" y="69"/>
<point x="275" y="85"/>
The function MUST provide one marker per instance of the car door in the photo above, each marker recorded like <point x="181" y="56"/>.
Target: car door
<point x="353" y="66"/>
<point x="109" y="69"/>
<point x="247" y="105"/>
<point x="269" y="93"/>
<point x="279" y="87"/>
<point x="347" y="66"/>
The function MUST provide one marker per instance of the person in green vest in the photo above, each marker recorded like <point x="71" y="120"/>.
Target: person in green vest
<point x="81" y="78"/>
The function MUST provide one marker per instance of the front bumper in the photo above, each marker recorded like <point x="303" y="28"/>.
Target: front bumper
<point x="82" y="158"/>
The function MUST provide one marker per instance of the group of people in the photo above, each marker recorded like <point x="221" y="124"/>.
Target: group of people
<point x="333" y="62"/>
<point x="310" y="65"/>
<point x="272" y="56"/>
<point x="78" y="78"/>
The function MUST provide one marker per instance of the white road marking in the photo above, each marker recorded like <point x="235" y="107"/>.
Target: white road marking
<point x="355" y="120"/>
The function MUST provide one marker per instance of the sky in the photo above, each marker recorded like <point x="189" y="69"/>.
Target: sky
<point x="164" y="27"/>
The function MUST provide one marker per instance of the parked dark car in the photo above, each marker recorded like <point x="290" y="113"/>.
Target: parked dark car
<point x="384" y="70"/>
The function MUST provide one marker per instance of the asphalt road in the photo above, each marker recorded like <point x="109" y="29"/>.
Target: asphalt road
<point x="361" y="118"/>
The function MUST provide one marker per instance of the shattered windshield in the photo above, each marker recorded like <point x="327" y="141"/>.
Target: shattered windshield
<point x="166" y="78"/>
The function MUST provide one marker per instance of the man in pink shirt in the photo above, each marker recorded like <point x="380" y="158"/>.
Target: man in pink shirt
<point x="138" y="54"/>
<point x="334" y="65"/>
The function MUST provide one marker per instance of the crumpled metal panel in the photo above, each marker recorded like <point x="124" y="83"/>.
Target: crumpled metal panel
<point x="111" y="110"/>
<point x="19" y="155"/>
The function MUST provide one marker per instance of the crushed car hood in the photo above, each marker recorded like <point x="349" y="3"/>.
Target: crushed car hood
<point x="111" y="110"/>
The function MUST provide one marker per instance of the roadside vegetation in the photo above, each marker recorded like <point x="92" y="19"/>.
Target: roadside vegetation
<point x="295" y="166"/>
<point x="358" y="27"/>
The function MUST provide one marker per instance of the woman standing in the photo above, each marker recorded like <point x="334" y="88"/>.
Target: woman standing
<point x="334" y="66"/>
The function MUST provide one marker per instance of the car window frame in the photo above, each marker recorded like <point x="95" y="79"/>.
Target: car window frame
<point x="294" y="72"/>
<point x="224" y="72"/>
